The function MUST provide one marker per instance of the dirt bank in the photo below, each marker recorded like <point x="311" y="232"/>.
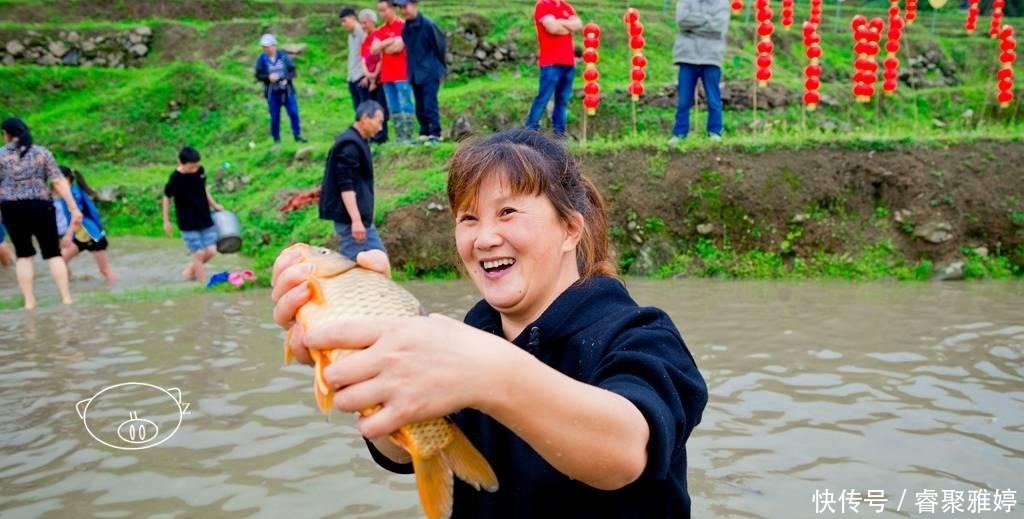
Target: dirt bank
<point x="927" y="202"/>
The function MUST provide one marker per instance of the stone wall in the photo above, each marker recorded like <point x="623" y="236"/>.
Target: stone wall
<point x="94" y="48"/>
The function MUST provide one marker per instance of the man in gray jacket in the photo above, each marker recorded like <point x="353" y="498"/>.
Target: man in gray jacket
<point x="698" y="50"/>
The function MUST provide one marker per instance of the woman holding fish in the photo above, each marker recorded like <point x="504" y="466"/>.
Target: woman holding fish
<point x="580" y="400"/>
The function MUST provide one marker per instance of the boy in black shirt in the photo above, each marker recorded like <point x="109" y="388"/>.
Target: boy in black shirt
<point x="192" y="202"/>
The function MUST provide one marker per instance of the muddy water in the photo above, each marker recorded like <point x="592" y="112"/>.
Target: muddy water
<point x="813" y="386"/>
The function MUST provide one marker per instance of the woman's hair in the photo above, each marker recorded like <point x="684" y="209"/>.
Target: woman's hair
<point x="16" y="128"/>
<point x="75" y="177"/>
<point x="532" y="164"/>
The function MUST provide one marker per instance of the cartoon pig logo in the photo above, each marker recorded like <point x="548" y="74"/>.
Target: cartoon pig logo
<point x="154" y="415"/>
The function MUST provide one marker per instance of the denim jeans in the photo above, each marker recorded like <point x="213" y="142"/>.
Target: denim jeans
<point x="275" y="99"/>
<point x="710" y="76"/>
<point x="350" y="247"/>
<point x="427" y="111"/>
<point x="554" y="80"/>
<point x="399" y="96"/>
<point x="360" y="94"/>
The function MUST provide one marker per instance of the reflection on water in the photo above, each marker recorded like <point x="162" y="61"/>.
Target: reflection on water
<point x="813" y="386"/>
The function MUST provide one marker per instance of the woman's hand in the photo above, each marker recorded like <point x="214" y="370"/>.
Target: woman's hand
<point x="291" y="292"/>
<point x="415" y="368"/>
<point x="76" y="219"/>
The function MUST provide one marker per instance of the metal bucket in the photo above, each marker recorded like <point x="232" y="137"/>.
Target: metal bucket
<point x="229" y="232"/>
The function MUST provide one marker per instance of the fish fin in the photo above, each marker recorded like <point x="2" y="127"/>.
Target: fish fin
<point x="435" y="484"/>
<point x="322" y="392"/>
<point x="316" y="291"/>
<point x="467" y="462"/>
<point x="288" y="351"/>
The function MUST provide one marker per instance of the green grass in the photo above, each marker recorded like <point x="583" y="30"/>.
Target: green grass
<point x="117" y="125"/>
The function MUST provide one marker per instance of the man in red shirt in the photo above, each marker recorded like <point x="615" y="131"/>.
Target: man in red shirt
<point x="556" y="20"/>
<point x="394" y="73"/>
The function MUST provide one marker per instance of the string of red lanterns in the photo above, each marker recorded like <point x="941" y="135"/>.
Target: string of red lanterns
<point x="765" y="28"/>
<point x="866" y="36"/>
<point x="591" y="89"/>
<point x="891" y="64"/>
<point x="815" y="14"/>
<point x="787" y="14"/>
<point x="972" y="16"/>
<point x="997" y="18"/>
<point x="635" y="29"/>
<point x="812" y="72"/>
<point x="911" y="14"/>
<point x="1007" y="56"/>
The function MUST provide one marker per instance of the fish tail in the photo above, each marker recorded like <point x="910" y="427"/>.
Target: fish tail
<point x="434" y="483"/>
<point x="467" y="462"/>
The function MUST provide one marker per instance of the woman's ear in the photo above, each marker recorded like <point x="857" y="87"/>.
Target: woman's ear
<point x="573" y="231"/>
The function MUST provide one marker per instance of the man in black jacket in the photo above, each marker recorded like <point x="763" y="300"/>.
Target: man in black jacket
<point x="426" y="46"/>
<point x="346" y="195"/>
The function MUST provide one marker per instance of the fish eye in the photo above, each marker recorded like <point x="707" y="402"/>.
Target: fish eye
<point x="324" y="251"/>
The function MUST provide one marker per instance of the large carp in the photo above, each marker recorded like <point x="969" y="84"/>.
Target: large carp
<point x="342" y="290"/>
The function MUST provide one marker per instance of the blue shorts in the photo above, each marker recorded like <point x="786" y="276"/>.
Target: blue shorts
<point x="3" y="233"/>
<point x="350" y="247"/>
<point x="199" y="240"/>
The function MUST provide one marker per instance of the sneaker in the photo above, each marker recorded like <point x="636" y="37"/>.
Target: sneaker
<point x="715" y="137"/>
<point x="300" y="138"/>
<point x="676" y="140"/>
<point x="432" y="141"/>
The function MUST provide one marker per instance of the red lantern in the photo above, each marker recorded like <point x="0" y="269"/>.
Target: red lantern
<point x="812" y="70"/>
<point x="765" y="47"/>
<point x="737" y="6"/>
<point x="857" y="21"/>
<point x="631" y="16"/>
<point x="972" y="16"/>
<point x="1007" y="56"/>
<point x="591" y="90"/>
<point x="765" y="29"/>
<point x="635" y="32"/>
<point x="813" y="52"/>
<point x="764" y="61"/>
<point x="911" y="11"/>
<point x="812" y="83"/>
<point x="787" y="13"/>
<point x="811" y="99"/>
<point x="997" y="17"/>
<point x="763" y="75"/>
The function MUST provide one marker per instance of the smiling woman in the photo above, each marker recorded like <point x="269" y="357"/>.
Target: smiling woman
<point x="580" y="400"/>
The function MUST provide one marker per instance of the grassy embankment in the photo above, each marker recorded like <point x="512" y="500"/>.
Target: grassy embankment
<point x="117" y="125"/>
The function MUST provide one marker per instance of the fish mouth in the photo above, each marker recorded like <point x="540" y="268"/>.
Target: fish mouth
<point x="497" y="265"/>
